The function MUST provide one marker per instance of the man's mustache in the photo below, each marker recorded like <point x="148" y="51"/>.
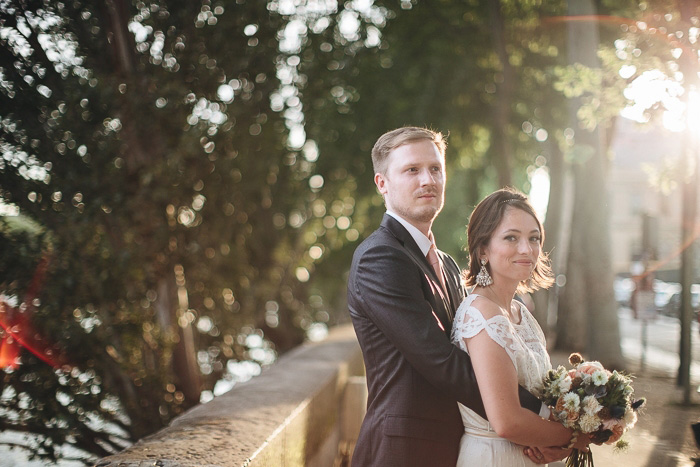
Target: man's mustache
<point x="427" y="192"/>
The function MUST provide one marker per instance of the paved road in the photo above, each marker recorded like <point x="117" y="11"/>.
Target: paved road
<point x="663" y="337"/>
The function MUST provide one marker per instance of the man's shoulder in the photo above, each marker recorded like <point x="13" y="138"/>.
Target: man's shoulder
<point x="450" y="261"/>
<point x="380" y="237"/>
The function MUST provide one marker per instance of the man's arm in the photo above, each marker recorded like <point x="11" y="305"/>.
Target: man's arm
<point x="391" y="290"/>
<point x="529" y="401"/>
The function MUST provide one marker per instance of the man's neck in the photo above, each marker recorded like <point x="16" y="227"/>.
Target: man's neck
<point x="425" y="229"/>
<point x="421" y="239"/>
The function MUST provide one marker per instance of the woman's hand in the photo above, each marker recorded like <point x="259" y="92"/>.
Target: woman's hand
<point x="545" y="455"/>
<point x="542" y="455"/>
<point x="584" y="439"/>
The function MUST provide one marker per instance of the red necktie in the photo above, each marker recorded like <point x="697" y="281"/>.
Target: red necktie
<point x="435" y="262"/>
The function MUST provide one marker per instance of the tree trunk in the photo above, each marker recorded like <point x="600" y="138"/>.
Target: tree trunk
<point x="546" y="299"/>
<point x="689" y="68"/>
<point x="501" y="151"/>
<point x="688" y="233"/>
<point x="122" y="46"/>
<point x="172" y="295"/>
<point x="588" y="312"/>
<point x="171" y="304"/>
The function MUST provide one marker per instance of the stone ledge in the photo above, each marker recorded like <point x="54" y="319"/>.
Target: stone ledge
<point x="291" y="414"/>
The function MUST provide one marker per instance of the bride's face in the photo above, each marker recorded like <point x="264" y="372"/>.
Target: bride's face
<point x="514" y="247"/>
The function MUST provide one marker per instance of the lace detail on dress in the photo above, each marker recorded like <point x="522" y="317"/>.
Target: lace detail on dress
<point x="525" y="345"/>
<point x="523" y="342"/>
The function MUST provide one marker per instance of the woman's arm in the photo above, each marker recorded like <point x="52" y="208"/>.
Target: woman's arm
<point x="498" y="384"/>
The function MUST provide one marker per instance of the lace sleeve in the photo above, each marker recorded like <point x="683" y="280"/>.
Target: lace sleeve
<point x="524" y="343"/>
<point x="469" y="322"/>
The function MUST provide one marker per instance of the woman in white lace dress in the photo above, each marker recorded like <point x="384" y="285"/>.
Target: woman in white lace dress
<point x="505" y="342"/>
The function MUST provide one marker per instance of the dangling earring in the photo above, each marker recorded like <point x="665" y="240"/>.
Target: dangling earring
<point x="483" y="278"/>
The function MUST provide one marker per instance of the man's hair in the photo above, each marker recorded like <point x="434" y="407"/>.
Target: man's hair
<point x="400" y="136"/>
<point x="484" y="220"/>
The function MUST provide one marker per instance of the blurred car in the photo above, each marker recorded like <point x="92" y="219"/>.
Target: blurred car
<point x="663" y="292"/>
<point x="673" y="307"/>
<point x="623" y="287"/>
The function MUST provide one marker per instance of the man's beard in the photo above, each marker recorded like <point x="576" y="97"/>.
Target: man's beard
<point x="423" y="214"/>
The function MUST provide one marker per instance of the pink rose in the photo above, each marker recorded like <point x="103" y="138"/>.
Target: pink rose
<point x="588" y="368"/>
<point x="612" y="423"/>
<point x="571" y="417"/>
<point x="617" y="432"/>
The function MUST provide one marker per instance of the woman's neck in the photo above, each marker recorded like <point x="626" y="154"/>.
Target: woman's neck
<point x="500" y="294"/>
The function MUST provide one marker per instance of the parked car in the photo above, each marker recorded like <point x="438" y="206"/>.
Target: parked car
<point x="663" y="292"/>
<point x="673" y="307"/>
<point x="623" y="287"/>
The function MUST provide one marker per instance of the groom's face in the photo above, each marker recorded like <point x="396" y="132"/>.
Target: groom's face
<point x="413" y="184"/>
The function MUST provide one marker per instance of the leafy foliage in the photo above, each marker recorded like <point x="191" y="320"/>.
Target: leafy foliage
<point x="150" y="143"/>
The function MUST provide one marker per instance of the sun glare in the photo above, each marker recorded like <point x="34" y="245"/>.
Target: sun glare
<point x="694" y="112"/>
<point x="653" y="88"/>
<point x="539" y="193"/>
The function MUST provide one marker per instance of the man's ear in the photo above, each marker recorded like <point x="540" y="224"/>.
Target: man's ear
<point x="380" y="181"/>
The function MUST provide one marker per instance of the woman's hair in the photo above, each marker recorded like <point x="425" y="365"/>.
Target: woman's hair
<point x="400" y="136"/>
<point x="484" y="220"/>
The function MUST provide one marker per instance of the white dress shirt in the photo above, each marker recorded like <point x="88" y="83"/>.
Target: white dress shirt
<point x="421" y="240"/>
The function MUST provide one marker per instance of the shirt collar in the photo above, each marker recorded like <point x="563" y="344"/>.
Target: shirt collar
<point x="421" y="240"/>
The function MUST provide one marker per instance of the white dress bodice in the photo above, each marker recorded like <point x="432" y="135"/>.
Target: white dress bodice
<point x="525" y="344"/>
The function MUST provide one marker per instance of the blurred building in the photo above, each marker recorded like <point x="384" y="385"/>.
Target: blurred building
<point x="645" y="197"/>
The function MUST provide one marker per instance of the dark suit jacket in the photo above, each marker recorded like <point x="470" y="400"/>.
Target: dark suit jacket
<point x="414" y="374"/>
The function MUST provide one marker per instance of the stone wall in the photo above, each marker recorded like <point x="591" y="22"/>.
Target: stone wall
<point x="305" y="410"/>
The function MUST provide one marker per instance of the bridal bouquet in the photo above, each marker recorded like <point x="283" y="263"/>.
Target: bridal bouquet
<point x="593" y="400"/>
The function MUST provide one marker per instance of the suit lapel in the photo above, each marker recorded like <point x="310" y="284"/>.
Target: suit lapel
<point x="454" y="282"/>
<point x="443" y="310"/>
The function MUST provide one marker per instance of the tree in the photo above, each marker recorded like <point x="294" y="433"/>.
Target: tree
<point x="662" y="48"/>
<point x="587" y="311"/>
<point x="174" y="216"/>
<point x="633" y="49"/>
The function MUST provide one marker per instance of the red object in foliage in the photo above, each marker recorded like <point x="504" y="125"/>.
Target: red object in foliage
<point x="9" y="352"/>
<point x="18" y="332"/>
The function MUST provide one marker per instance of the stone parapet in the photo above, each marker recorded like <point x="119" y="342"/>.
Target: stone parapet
<point x="305" y="410"/>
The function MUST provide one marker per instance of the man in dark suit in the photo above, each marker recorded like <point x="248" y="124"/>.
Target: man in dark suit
<point x="402" y="310"/>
